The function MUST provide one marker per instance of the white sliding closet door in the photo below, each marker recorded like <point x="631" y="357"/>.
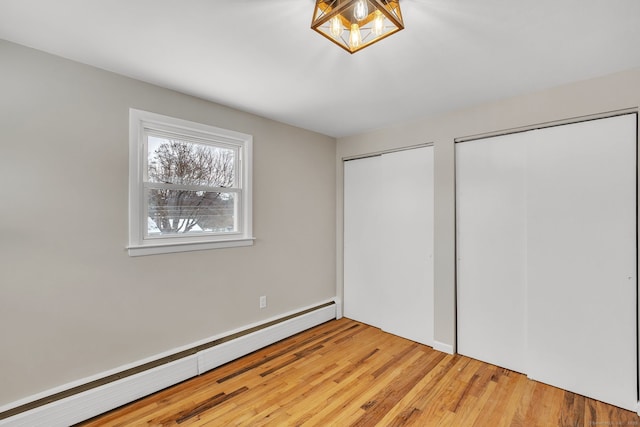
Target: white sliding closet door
<point x="490" y="187"/>
<point x="581" y="244"/>
<point x="406" y="242"/>
<point x="388" y="246"/>
<point x="546" y="246"/>
<point x="362" y="257"/>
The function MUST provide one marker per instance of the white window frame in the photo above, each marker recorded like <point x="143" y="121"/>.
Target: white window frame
<point x="142" y="123"/>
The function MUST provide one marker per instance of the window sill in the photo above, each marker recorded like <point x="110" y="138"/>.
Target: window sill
<point x="165" y="248"/>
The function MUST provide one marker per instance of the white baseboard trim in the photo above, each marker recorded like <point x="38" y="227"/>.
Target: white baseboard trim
<point x="93" y="402"/>
<point x="445" y="348"/>
<point x="90" y="403"/>
<point x="339" y="312"/>
<point x="231" y="350"/>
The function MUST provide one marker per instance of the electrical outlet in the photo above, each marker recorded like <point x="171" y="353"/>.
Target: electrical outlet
<point x="263" y="301"/>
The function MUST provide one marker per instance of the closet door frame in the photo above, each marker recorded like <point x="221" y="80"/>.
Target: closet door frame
<point x="387" y="299"/>
<point x="634" y="111"/>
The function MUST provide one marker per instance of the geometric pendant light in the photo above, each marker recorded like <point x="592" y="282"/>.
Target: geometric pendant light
<point x="356" y="24"/>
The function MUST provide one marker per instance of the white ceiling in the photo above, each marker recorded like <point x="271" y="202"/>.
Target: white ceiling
<point x="261" y="56"/>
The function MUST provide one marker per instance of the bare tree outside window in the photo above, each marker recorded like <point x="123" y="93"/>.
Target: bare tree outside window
<point x="198" y="169"/>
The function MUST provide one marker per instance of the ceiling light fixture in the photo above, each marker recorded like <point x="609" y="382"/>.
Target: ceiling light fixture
<point x="356" y="24"/>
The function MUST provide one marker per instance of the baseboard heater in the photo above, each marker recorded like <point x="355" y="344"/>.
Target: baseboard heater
<point x="95" y="397"/>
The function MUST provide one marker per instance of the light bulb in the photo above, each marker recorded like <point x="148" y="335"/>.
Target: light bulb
<point x="335" y="27"/>
<point x="378" y="24"/>
<point x="355" y="39"/>
<point x="361" y="10"/>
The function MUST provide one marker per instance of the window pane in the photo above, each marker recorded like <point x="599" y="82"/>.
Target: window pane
<point x="175" y="212"/>
<point x="174" y="161"/>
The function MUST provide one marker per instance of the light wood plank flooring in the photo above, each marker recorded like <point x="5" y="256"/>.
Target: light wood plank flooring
<point x="345" y="373"/>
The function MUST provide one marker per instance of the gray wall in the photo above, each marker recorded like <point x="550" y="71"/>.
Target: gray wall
<point x="72" y="302"/>
<point x="613" y="92"/>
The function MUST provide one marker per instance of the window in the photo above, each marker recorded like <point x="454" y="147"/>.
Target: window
<point x="189" y="186"/>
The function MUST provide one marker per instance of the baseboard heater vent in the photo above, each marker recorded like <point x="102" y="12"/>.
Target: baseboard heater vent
<point x="96" y="397"/>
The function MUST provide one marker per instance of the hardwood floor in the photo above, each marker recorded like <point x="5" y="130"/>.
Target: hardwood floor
<point x="345" y="373"/>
